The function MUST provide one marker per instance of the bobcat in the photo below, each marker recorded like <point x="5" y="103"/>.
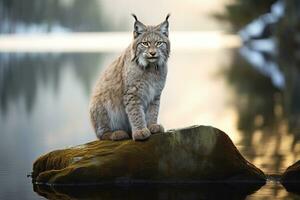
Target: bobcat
<point x="127" y="95"/>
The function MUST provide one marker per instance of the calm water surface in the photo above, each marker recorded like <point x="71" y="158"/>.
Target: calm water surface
<point x="44" y="106"/>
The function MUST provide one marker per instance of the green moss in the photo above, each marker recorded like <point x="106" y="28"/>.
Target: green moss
<point x="191" y="154"/>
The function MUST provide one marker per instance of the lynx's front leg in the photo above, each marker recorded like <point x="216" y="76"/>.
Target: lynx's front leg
<point x="136" y="116"/>
<point x="152" y="115"/>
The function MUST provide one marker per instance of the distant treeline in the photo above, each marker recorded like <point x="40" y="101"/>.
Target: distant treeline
<point x="241" y="12"/>
<point x="73" y="15"/>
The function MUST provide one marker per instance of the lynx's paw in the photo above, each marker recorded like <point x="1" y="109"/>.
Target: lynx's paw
<point x="106" y="136"/>
<point x="141" y="134"/>
<point x="156" y="128"/>
<point x="119" y="135"/>
<point x="115" y="136"/>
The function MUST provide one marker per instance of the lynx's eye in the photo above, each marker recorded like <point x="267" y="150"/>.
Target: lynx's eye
<point x="158" y="43"/>
<point x="145" y="44"/>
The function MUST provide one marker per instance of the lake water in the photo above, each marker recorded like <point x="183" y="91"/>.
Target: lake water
<point x="44" y="106"/>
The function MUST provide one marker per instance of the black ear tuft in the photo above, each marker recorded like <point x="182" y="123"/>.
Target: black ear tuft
<point x="134" y="16"/>
<point x="168" y="15"/>
<point x="138" y="28"/>
<point x="164" y="26"/>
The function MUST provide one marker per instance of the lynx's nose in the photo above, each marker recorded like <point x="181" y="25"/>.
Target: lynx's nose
<point x="152" y="53"/>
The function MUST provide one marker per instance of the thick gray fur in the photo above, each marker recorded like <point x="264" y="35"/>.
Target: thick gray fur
<point x="127" y="95"/>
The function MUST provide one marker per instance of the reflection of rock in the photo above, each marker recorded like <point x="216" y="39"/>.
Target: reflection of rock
<point x="291" y="178"/>
<point x="145" y="192"/>
<point x="177" y="156"/>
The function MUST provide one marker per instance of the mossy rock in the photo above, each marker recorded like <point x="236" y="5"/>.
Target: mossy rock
<point x="189" y="155"/>
<point x="290" y="179"/>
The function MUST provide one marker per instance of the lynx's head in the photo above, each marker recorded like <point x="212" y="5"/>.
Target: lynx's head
<point x="151" y="44"/>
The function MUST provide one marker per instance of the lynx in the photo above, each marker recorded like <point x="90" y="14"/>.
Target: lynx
<point x="125" y="101"/>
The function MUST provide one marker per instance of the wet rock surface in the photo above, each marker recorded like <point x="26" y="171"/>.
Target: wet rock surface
<point x="290" y="179"/>
<point x="183" y="156"/>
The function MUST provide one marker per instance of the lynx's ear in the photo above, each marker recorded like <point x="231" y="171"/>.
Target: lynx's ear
<point x="139" y="27"/>
<point x="164" y="26"/>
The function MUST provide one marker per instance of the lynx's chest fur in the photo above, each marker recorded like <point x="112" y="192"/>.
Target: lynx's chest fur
<point x="147" y="83"/>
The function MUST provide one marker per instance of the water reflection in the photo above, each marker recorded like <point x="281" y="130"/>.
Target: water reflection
<point x="200" y="191"/>
<point x="265" y="119"/>
<point x="22" y="75"/>
<point x="272" y="190"/>
<point x="44" y="106"/>
<point x="45" y="97"/>
<point x="266" y="81"/>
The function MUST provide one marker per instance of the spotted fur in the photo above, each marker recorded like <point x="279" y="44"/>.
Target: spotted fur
<point x="125" y="101"/>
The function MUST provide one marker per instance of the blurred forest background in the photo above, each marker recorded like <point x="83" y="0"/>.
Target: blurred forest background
<point x="45" y="95"/>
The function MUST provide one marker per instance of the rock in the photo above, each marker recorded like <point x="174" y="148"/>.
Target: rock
<point x="189" y="155"/>
<point x="290" y="179"/>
